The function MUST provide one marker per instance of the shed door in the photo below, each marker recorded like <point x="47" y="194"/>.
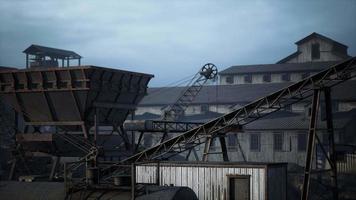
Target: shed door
<point x="239" y="188"/>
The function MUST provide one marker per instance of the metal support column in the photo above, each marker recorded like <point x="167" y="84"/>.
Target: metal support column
<point x="27" y="64"/>
<point x="55" y="161"/>
<point x="133" y="135"/>
<point x="207" y="148"/>
<point x="311" y="144"/>
<point x="330" y="127"/>
<point x="223" y="148"/>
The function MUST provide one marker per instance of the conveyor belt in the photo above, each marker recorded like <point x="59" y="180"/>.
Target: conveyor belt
<point x="294" y="93"/>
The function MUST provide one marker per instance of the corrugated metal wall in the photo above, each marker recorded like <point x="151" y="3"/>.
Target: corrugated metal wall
<point x="348" y="165"/>
<point x="208" y="182"/>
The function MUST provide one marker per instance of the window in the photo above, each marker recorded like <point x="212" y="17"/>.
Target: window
<point x="315" y="54"/>
<point x="286" y="77"/>
<point x="278" y="141"/>
<point x="302" y="142"/>
<point x="230" y="79"/>
<point x="267" y="78"/>
<point x="255" y="142"/>
<point x="204" y="108"/>
<point x="248" y="78"/>
<point x="238" y="187"/>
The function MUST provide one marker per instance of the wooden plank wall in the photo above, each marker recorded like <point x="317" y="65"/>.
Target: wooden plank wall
<point x="208" y="182"/>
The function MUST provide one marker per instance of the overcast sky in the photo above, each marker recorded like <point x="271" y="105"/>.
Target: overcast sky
<point x="171" y="39"/>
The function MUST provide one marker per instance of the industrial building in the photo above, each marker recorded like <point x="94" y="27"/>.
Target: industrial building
<point x="214" y="180"/>
<point x="270" y="139"/>
<point x="99" y="133"/>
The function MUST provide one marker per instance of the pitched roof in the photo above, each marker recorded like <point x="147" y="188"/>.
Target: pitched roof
<point x="317" y="35"/>
<point x="234" y="94"/>
<point x="293" y="55"/>
<point x="281" y="120"/>
<point x="49" y="51"/>
<point x="275" y="121"/>
<point x="282" y="67"/>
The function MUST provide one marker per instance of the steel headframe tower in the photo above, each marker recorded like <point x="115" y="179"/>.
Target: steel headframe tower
<point x="208" y="72"/>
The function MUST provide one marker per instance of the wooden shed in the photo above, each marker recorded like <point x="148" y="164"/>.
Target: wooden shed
<point x="219" y="180"/>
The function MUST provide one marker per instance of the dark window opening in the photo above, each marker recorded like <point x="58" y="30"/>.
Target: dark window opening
<point x="255" y="142"/>
<point x="239" y="187"/>
<point x="302" y="142"/>
<point x="278" y="141"/>
<point x="315" y="51"/>
<point x="230" y="79"/>
<point x="286" y="77"/>
<point x="248" y="78"/>
<point x="267" y="78"/>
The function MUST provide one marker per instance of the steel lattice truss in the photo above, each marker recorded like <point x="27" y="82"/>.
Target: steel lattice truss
<point x="176" y="110"/>
<point x="264" y="106"/>
<point x="162" y="126"/>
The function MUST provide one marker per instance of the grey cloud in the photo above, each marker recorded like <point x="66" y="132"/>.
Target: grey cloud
<point x="171" y="39"/>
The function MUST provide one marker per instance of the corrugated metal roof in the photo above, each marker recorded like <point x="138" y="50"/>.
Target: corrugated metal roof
<point x="234" y="94"/>
<point x="283" y="67"/>
<point x="42" y="50"/>
<point x="317" y="35"/>
<point x="299" y="122"/>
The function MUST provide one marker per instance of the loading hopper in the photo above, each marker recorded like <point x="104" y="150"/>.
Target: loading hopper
<point x="71" y="96"/>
